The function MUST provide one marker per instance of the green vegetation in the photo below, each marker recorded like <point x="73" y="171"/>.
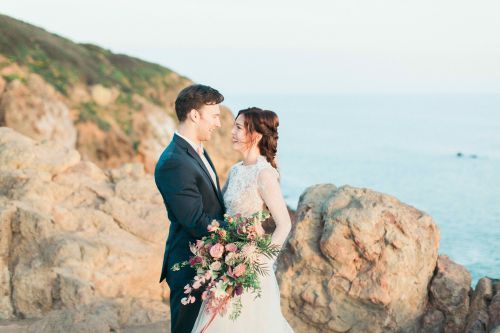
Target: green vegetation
<point x="88" y="112"/>
<point x="12" y="77"/>
<point x="63" y="63"/>
<point x="4" y="64"/>
<point x="136" y="146"/>
<point x="126" y="99"/>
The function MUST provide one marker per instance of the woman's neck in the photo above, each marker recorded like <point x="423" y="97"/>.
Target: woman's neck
<point x="250" y="156"/>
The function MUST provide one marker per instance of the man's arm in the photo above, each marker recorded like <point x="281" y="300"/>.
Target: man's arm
<point x="183" y="198"/>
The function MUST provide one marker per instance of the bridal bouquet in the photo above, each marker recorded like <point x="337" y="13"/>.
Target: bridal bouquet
<point x="228" y="263"/>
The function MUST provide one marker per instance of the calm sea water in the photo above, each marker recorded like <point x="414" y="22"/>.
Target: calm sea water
<point x="406" y="146"/>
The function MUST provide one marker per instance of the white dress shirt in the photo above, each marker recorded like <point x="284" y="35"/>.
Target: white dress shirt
<point x="203" y="158"/>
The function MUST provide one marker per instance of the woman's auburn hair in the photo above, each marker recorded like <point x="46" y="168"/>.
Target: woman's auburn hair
<point x="264" y="122"/>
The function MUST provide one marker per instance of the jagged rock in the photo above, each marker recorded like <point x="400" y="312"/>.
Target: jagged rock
<point x="478" y="318"/>
<point x="73" y="234"/>
<point x="449" y="291"/>
<point x="357" y="261"/>
<point x="494" y="307"/>
<point x="37" y="110"/>
<point x="433" y="322"/>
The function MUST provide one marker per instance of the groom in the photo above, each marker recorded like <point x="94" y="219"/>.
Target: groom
<point x="189" y="185"/>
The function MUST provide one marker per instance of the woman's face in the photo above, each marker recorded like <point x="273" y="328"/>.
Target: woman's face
<point x="241" y="140"/>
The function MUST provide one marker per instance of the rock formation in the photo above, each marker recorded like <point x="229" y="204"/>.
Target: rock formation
<point x="78" y="244"/>
<point x="365" y="261"/>
<point x="362" y="261"/>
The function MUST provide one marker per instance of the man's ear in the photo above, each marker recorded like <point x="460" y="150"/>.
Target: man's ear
<point x="194" y="116"/>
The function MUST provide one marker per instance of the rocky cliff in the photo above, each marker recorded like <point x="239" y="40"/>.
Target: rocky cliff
<point x="112" y="108"/>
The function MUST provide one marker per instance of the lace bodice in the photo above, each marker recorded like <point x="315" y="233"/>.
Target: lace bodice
<point x="251" y="188"/>
<point x="241" y="193"/>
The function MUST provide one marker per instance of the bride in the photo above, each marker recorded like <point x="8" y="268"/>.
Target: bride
<point x="251" y="186"/>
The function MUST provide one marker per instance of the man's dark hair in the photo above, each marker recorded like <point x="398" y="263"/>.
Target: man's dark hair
<point x="194" y="97"/>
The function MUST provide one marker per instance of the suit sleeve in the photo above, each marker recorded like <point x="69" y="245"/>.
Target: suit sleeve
<point x="182" y="198"/>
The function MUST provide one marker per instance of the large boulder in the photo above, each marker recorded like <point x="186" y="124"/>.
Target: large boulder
<point x="357" y="261"/>
<point x="74" y="235"/>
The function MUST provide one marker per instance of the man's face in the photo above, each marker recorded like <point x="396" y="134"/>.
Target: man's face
<point x="209" y="121"/>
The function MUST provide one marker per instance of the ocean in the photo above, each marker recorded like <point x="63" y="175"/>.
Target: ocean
<point x="438" y="153"/>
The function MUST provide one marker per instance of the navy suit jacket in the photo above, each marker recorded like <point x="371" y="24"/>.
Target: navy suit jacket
<point x="192" y="200"/>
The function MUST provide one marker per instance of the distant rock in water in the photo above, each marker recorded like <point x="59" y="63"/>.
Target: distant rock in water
<point x="473" y="156"/>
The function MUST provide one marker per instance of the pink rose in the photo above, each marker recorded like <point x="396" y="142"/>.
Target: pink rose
<point x="217" y="250"/>
<point x="239" y="270"/>
<point x="231" y="247"/>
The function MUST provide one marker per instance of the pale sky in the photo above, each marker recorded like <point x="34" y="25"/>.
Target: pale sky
<point x="313" y="46"/>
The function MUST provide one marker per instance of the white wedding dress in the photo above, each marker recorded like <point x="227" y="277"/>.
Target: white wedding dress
<point x="248" y="189"/>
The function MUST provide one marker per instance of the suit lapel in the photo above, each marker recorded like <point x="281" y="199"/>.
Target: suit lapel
<point x="197" y="158"/>
<point x="190" y="150"/>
